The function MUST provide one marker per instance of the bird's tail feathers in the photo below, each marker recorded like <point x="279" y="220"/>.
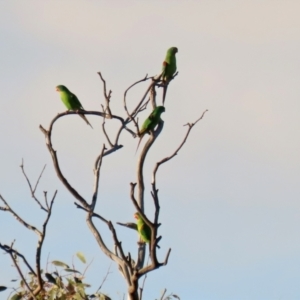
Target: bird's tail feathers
<point x="86" y="120"/>
<point x="164" y="92"/>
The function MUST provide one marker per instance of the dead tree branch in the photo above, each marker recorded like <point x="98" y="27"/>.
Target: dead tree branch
<point x="141" y="186"/>
<point x="41" y="238"/>
<point x="106" y="96"/>
<point x="9" y="250"/>
<point x="20" y="272"/>
<point x="190" y="126"/>
<point x="32" y="190"/>
<point x="40" y="244"/>
<point x="97" y="167"/>
<point x="130" y="270"/>
<point x="104" y="131"/>
<point x="104" y="279"/>
<point x="28" y="226"/>
<point x="131" y="116"/>
<point x="41" y="235"/>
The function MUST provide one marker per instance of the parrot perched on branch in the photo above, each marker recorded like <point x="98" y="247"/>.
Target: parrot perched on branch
<point x="168" y="69"/>
<point x="151" y="122"/>
<point x="143" y="229"/>
<point x="71" y="101"/>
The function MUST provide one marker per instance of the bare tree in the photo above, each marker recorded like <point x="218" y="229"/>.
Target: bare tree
<point x="131" y="270"/>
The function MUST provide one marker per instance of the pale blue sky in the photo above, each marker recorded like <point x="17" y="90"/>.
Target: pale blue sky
<point x="230" y="205"/>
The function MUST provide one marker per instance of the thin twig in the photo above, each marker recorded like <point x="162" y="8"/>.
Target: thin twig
<point x="40" y="245"/>
<point x="20" y="272"/>
<point x="104" y="130"/>
<point x="162" y="296"/>
<point x="46" y="200"/>
<point x="143" y="284"/>
<point x="83" y="273"/>
<point x="139" y="107"/>
<point x="104" y="279"/>
<point x="32" y="190"/>
<point x="111" y="150"/>
<point x="104" y="248"/>
<point x="93" y="213"/>
<point x="142" y="108"/>
<point x="167" y="257"/>
<point x="119" y="246"/>
<point x="106" y="96"/>
<point x="190" y="126"/>
<point x="97" y="168"/>
<point x="28" y="226"/>
<point x="38" y="180"/>
<point x="8" y="249"/>
<point x="143" y="98"/>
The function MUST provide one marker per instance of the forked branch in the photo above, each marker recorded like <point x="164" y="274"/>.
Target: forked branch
<point x="33" y="190"/>
<point x="190" y="126"/>
<point x="106" y="96"/>
<point x="41" y="237"/>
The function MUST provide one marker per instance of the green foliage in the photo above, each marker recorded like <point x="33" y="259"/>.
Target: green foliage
<point x="172" y="296"/>
<point x="60" y="264"/>
<point x="63" y="284"/>
<point x="72" y="270"/>
<point x="16" y="297"/>
<point x="81" y="257"/>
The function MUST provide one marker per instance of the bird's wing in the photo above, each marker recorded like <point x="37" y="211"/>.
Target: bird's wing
<point x="76" y="103"/>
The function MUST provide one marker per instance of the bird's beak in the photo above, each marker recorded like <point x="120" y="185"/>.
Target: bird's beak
<point x="56" y="89"/>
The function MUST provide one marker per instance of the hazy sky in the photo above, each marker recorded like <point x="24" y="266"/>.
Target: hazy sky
<point x="230" y="206"/>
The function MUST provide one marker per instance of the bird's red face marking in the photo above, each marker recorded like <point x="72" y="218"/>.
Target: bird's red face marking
<point x="136" y="216"/>
<point x="57" y="89"/>
<point x="165" y="63"/>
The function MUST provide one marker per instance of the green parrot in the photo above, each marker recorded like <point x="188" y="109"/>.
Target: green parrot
<point x="71" y="101"/>
<point x="151" y="122"/>
<point x="168" y="69"/>
<point x="143" y="229"/>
